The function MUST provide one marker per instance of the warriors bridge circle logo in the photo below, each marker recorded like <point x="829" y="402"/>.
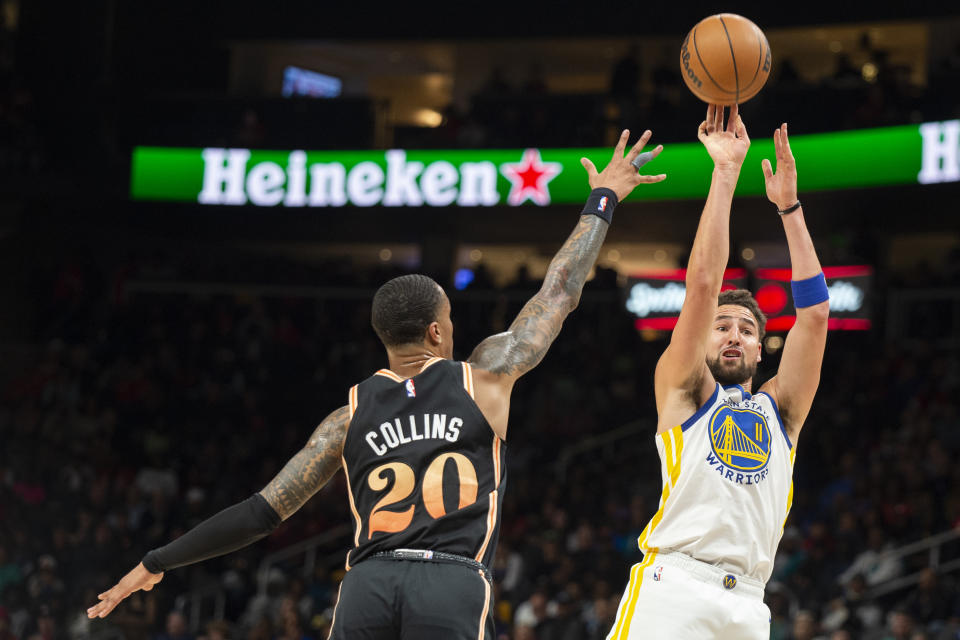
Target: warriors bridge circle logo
<point x="740" y="438"/>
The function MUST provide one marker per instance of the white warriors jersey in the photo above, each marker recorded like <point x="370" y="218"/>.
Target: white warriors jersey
<point x="727" y="484"/>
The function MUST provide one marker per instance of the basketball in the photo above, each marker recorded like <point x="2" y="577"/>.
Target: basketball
<point x="725" y="59"/>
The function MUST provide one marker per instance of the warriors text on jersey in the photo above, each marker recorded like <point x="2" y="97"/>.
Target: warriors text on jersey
<point x="727" y="484"/>
<point x="424" y="468"/>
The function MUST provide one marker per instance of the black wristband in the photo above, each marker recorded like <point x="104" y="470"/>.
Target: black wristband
<point x="602" y="202"/>
<point x="229" y="530"/>
<point x="789" y="209"/>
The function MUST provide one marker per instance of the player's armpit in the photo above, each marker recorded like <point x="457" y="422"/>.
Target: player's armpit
<point x="797" y="379"/>
<point x="312" y="466"/>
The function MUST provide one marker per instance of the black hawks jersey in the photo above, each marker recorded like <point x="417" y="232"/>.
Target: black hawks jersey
<point x="424" y="468"/>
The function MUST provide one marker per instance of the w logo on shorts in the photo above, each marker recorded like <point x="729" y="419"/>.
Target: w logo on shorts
<point x="729" y="581"/>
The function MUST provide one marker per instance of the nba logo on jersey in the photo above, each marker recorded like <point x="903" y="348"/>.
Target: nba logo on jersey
<point x="411" y="390"/>
<point x="658" y="574"/>
<point x="729" y="581"/>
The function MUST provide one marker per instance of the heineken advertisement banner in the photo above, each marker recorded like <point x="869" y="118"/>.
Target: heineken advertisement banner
<point x="926" y="153"/>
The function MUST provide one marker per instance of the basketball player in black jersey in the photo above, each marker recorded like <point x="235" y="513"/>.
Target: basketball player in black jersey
<point x="422" y="445"/>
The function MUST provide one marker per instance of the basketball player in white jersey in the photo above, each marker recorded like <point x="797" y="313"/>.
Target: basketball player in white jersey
<point x="726" y="448"/>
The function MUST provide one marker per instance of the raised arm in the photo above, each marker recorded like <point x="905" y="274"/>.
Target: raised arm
<point x="311" y="468"/>
<point x="682" y="379"/>
<point x="798" y="377"/>
<point x="243" y="523"/>
<point x="501" y="359"/>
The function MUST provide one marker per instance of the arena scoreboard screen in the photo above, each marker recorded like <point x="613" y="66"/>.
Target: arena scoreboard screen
<point x="655" y="298"/>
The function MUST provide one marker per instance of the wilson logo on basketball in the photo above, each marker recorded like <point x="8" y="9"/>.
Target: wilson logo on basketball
<point x="685" y="60"/>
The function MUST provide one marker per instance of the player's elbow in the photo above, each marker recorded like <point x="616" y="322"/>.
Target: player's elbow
<point x="702" y="285"/>
<point x="818" y="313"/>
<point x="564" y="298"/>
<point x="570" y="301"/>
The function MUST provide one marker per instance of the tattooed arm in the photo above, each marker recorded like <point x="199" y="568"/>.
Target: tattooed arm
<point x="502" y="358"/>
<point x="243" y="523"/>
<point x="311" y="467"/>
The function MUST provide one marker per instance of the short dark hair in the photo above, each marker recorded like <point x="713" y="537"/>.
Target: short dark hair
<point x="404" y="307"/>
<point x="744" y="298"/>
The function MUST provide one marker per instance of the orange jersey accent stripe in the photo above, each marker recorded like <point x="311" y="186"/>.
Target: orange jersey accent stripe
<point x="491" y="518"/>
<point x="353" y="507"/>
<point x="468" y="379"/>
<point x="386" y="373"/>
<point x="333" y="620"/>
<point x="492" y="511"/>
<point x="353" y="400"/>
<point x="486" y="606"/>
<point x="621" y="629"/>
<point x="430" y="362"/>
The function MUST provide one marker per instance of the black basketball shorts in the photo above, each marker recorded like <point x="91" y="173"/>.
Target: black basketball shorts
<point x="390" y="599"/>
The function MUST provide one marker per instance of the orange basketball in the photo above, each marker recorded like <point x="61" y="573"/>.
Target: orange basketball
<point x="725" y="59"/>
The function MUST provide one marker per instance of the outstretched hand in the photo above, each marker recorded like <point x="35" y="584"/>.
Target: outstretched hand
<point x="619" y="175"/>
<point x="139" y="578"/>
<point x="726" y="145"/>
<point x="782" y="185"/>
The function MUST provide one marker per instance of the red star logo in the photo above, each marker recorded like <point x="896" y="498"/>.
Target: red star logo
<point x="529" y="178"/>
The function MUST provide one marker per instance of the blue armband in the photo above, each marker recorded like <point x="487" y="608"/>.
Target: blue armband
<point x="809" y="292"/>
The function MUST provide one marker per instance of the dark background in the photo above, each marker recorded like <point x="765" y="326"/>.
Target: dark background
<point x="155" y="368"/>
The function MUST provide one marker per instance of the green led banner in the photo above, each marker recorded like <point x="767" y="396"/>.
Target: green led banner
<point x="926" y="153"/>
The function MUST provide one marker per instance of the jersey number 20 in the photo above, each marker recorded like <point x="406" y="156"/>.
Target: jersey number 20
<point x="404" y="484"/>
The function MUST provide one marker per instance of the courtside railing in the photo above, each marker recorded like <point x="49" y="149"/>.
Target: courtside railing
<point x="932" y="547"/>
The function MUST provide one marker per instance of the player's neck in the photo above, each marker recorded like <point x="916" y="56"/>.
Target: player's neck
<point x="747" y="385"/>
<point x="408" y="361"/>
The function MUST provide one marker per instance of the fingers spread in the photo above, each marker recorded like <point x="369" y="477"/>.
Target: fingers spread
<point x="621" y="144"/>
<point x="741" y="129"/>
<point x="589" y="166"/>
<point x="733" y="119"/>
<point x="651" y="179"/>
<point x="767" y="169"/>
<point x="785" y="139"/>
<point x="641" y="143"/>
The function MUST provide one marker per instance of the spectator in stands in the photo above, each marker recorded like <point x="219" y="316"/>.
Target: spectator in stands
<point x="900" y="626"/>
<point x="176" y="628"/>
<point x="5" y="632"/>
<point x="804" y="626"/>
<point x="873" y="563"/>
<point x="931" y="601"/>
<point x="531" y="614"/>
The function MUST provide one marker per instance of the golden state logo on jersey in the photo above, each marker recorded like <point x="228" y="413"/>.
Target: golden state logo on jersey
<point x="740" y="440"/>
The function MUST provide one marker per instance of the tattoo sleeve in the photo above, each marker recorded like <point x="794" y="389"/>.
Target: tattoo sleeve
<point x="523" y="345"/>
<point x="311" y="467"/>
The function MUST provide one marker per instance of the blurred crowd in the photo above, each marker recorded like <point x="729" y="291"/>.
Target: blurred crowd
<point x="144" y="413"/>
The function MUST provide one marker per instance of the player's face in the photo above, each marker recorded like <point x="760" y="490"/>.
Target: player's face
<point x="734" y="347"/>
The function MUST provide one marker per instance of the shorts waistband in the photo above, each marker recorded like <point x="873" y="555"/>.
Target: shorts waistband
<point x="741" y="585"/>
<point x="426" y="555"/>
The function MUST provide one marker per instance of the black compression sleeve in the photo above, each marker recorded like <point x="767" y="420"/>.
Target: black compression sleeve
<point x="234" y="527"/>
